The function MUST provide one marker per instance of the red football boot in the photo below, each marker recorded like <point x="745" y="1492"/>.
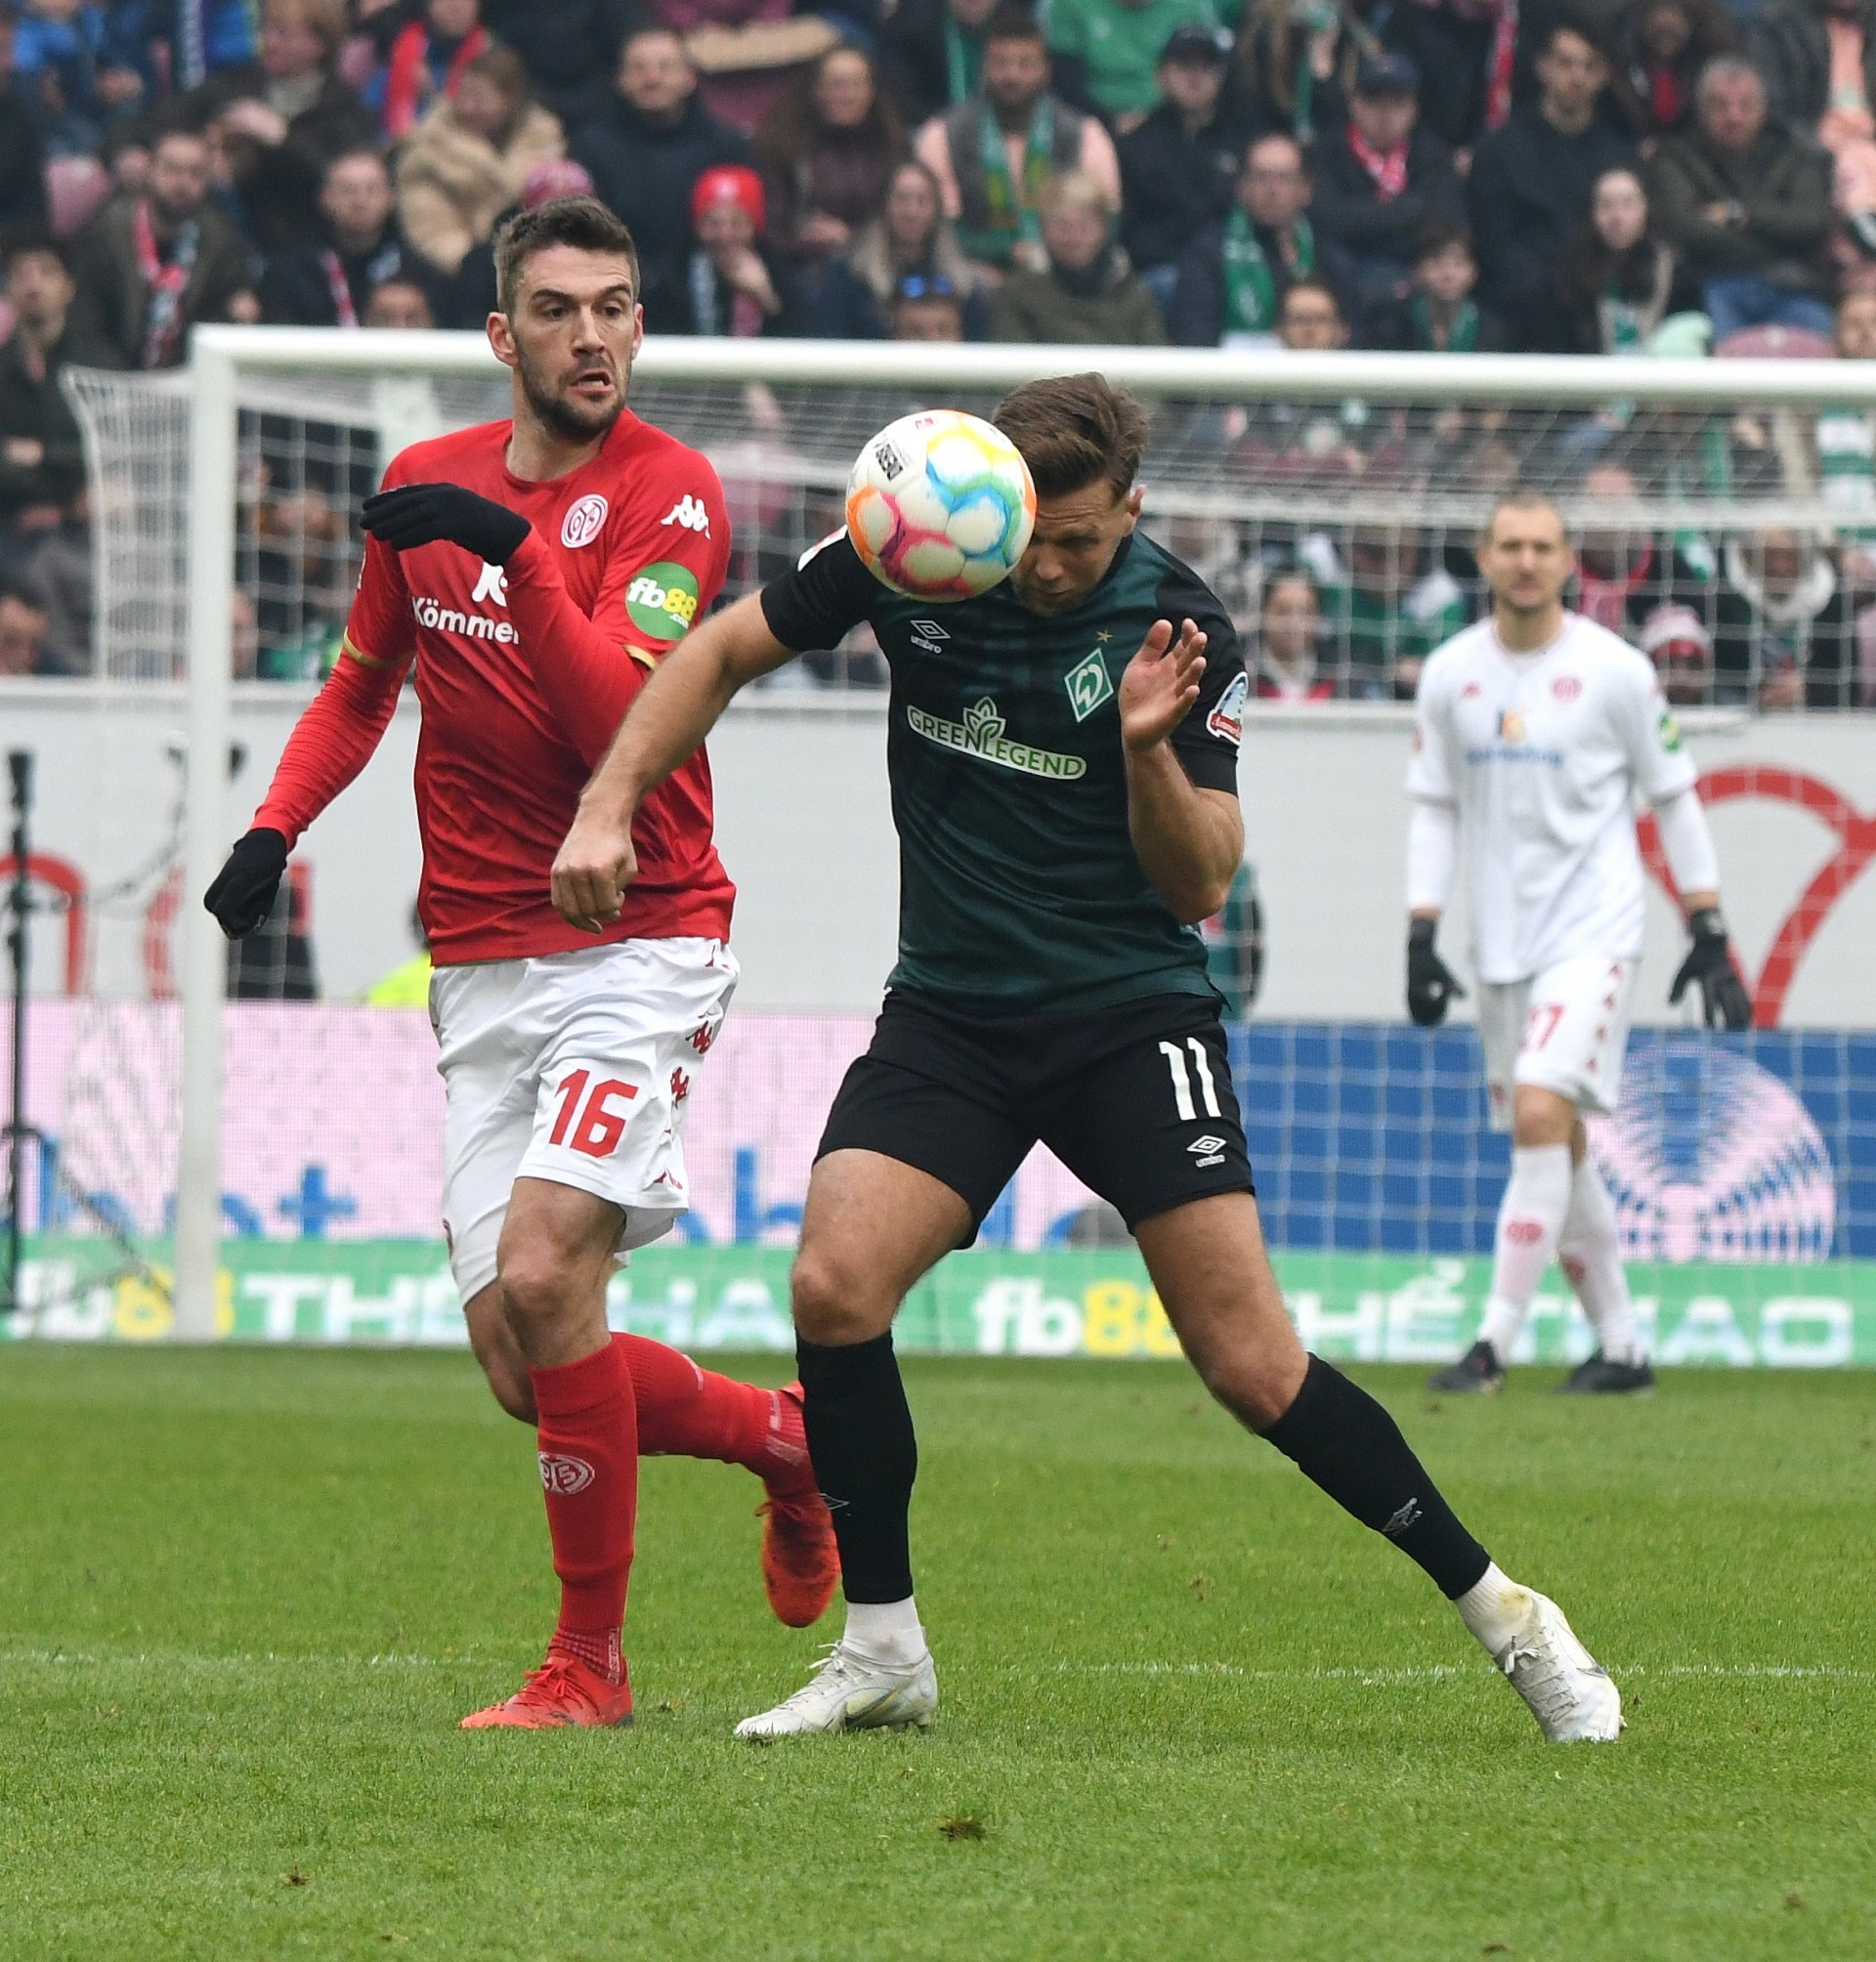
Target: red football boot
<point x="800" y="1561"/>
<point x="562" y="1690"/>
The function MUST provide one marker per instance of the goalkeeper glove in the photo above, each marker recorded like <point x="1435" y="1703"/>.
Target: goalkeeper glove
<point x="1431" y="983"/>
<point x="422" y="513"/>
<point x="245" y="889"/>
<point x="1724" y="1001"/>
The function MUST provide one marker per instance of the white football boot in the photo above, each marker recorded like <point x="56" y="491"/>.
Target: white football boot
<point x="1568" y="1691"/>
<point x="850" y="1692"/>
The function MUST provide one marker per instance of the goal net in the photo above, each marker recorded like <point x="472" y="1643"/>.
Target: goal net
<point x="254" y="1125"/>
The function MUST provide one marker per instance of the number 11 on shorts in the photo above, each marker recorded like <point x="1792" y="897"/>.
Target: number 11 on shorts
<point x="600" y="1127"/>
<point x="1182" y="1082"/>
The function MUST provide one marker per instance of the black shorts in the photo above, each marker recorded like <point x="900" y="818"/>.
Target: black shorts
<point x="1135" y="1100"/>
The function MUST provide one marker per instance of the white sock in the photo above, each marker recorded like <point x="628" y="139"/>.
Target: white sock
<point x="1589" y="1254"/>
<point x="884" y="1631"/>
<point x="1494" y="1609"/>
<point x="1530" y="1220"/>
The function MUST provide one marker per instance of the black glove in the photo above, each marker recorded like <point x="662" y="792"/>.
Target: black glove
<point x="1724" y="1001"/>
<point x="243" y="892"/>
<point x="422" y="514"/>
<point x="1431" y="983"/>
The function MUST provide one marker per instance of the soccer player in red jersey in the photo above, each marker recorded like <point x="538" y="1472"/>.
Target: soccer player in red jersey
<point x="536" y="571"/>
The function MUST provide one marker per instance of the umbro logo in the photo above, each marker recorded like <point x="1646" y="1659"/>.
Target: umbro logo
<point x="491" y="584"/>
<point x="926" y="635"/>
<point x="1208" y="1150"/>
<point x="689" y="512"/>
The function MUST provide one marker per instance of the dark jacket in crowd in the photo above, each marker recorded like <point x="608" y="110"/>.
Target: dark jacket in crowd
<point x="1610" y="303"/>
<point x="914" y="59"/>
<point x="1784" y="186"/>
<point x="1790" y="47"/>
<point x="23" y="166"/>
<point x="645" y="174"/>
<point x="296" y="289"/>
<point x="1174" y="185"/>
<point x="1651" y="102"/>
<point x="1107" y="306"/>
<point x="1350" y="214"/>
<point x="1195" y="315"/>
<point x="111" y="303"/>
<point x="570" y="48"/>
<point x="1529" y="191"/>
<point x="1753" y="639"/>
<point x="1404" y="326"/>
<point x="34" y="406"/>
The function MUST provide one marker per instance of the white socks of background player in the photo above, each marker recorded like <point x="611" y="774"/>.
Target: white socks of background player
<point x="885" y="1631"/>
<point x="1590" y="1256"/>
<point x="1530" y="1223"/>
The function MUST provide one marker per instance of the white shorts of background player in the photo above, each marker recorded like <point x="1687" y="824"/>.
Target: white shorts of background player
<point x="1563" y="1029"/>
<point x="574" y="1068"/>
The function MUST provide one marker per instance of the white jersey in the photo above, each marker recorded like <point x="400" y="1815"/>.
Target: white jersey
<point x="1543" y="756"/>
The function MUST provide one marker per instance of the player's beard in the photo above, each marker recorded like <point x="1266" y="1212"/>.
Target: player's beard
<point x="565" y="415"/>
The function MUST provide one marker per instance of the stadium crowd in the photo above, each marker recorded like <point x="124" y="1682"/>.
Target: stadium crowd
<point x="1452" y="175"/>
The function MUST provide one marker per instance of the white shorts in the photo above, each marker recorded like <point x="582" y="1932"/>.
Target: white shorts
<point x="575" y="1068"/>
<point x="1563" y="1029"/>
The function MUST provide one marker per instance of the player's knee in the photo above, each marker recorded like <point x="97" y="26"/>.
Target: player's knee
<point x="538" y="1286"/>
<point x="1540" y="1117"/>
<point x="832" y="1305"/>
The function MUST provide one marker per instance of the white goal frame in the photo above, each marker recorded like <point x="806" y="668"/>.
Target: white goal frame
<point x="219" y="355"/>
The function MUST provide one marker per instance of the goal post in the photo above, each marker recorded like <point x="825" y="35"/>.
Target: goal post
<point x="782" y="420"/>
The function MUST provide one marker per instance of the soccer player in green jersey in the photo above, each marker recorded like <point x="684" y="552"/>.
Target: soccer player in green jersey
<point x="1063" y="760"/>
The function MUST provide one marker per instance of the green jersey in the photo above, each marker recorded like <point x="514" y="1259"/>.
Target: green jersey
<point x="1020" y="892"/>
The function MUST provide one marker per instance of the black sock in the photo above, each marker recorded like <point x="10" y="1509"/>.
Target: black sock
<point x="865" y="1458"/>
<point x="1344" y="1441"/>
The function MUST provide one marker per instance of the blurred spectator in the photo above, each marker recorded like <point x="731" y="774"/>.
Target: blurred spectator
<point x="326" y="284"/>
<point x="1819" y="60"/>
<point x="1089" y="292"/>
<point x="1748" y="202"/>
<point x="933" y="53"/>
<point x="1680" y="644"/>
<point x="23" y="145"/>
<point x="1385" y="615"/>
<point x="645" y="152"/>
<point x="993" y="154"/>
<point x="125" y="153"/>
<point x="1379" y="183"/>
<point x="1530" y="182"/>
<point x="747" y="51"/>
<point x="1782" y="634"/>
<point x="1439" y="313"/>
<point x="911" y="239"/>
<point x="1465" y="53"/>
<point x="280" y="119"/>
<point x="928" y="308"/>
<point x="570" y="48"/>
<point x="146" y="270"/>
<point x="733" y="285"/>
<point x="426" y="59"/>
<point x="1283" y="664"/>
<point x="190" y="40"/>
<point x="60" y="58"/>
<point x="1623" y="574"/>
<point x="399" y="303"/>
<point x="1309" y="319"/>
<point x="1106" y="51"/>
<point x="1660" y="48"/>
<point x="1293" y="68"/>
<point x="23" y="626"/>
<point x="1179" y="167"/>
<point x="827" y="151"/>
<point x="1232" y="279"/>
<point x="1847" y="437"/>
<point x="466" y="162"/>
<point x="1618" y="281"/>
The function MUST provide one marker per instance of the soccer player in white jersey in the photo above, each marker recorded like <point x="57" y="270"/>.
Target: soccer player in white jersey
<point x="1537" y="732"/>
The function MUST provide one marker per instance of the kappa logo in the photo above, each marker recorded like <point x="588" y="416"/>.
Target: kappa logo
<point x="689" y="512"/>
<point x="1206" y="1150"/>
<point x="491" y="584"/>
<point x="1566" y="688"/>
<point x="563" y="1476"/>
<point x="583" y="521"/>
<point x="1471" y="691"/>
<point x="680" y="1086"/>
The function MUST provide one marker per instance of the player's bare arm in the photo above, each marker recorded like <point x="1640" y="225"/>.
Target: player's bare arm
<point x="1189" y="841"/>
<point x="675" y="711"/>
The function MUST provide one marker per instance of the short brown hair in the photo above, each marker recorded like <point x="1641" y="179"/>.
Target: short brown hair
<point x="584" y="222"/>
<point x="1522" y="500"/>
<point x="1075" y="430"/>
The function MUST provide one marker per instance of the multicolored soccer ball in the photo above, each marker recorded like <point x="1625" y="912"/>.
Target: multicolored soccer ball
<point x="940" y="505"/>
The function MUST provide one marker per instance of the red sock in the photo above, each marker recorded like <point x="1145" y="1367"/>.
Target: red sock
<point x="688" y="1412"/>
<point x="588" y="1435"/>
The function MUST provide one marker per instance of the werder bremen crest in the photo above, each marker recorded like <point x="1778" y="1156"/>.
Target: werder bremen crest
<point x="1088" y="686"/>
<point x="981" y="734"/>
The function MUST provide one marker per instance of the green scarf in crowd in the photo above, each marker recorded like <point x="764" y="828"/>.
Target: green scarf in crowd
<point x="1462" y="336"/>
<point x="1009" y="215"/>
<point x="964" y="59"/>
<point x="1250" y="285"/>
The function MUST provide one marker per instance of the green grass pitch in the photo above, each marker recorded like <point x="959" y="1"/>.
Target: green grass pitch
<point x="1189" y="1709"/>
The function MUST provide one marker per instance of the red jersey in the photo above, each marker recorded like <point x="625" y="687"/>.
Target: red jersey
<point x="523" y="673"/>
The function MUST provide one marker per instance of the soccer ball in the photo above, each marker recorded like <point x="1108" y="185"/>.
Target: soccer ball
<point x="940" y="505"/>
